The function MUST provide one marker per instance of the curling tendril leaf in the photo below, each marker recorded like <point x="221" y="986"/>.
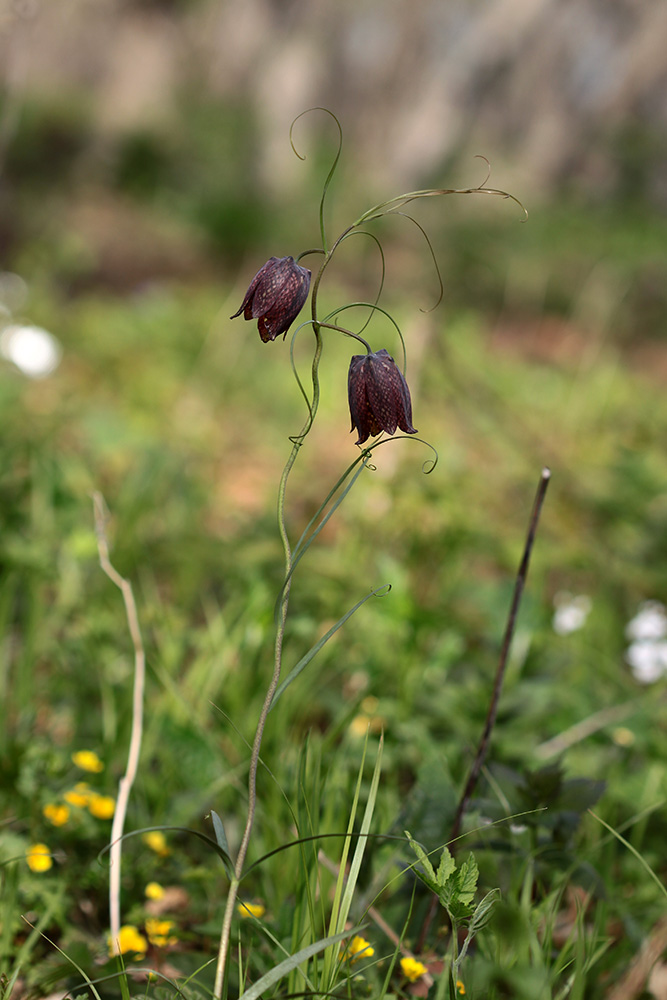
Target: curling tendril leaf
<point x="433" y="257"/>
<point x="332" y="169"/>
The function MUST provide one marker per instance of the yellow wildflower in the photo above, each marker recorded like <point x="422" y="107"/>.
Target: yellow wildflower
<point x="129" y="939"/>
<point x="412" y="969"/>
<point x="251" y="910"/>
<point x="88" y="760"/>
<point x="101" y="806"/>
<point x="39" y="858"/>
<point x="56" y="814"/>
<point x="359" y="948"/>
<point x="367" y="720"/>
<point x="623" y="737"/>
<point x="154" y="891"/>
<point x="155" y="839"/>
<point x="359" y="726"/>
<point x="158" y="932"/>
<point x="79" y="795"/>
<point x="461" y="990"/>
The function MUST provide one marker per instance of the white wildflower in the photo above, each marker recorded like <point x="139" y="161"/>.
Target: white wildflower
<point x="571" y="612"/>
<point x="648" y="660"/>
<point x="650" y="622"/>
<point x="35" y="351"/>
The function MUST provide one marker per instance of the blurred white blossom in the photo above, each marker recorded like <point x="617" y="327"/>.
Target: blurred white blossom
<point x="648" y="660"/>
<point x="647" y="652"/>
<point x="34" y="351"/>
<point x="13" y="291"/>
<point x="571" y="612"/>
<point x="650" y="622"/>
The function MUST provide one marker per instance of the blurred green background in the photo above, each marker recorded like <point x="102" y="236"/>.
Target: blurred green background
<point x="145" y="175"/>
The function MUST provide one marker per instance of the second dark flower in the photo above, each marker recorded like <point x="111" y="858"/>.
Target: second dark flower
<point x="378" y="395"/>
<point x="275" y="296"/>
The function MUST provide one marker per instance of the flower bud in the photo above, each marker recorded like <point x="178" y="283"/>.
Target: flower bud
<point x="378" y="395"/>
<point x="275" y="296"/>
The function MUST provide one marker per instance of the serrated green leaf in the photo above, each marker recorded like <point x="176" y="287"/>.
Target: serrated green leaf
<point x="479" y="919"/>
<point x="423" y="857"/>
<point x="446" y="868"/>
<point x="482" y="912"/>
<point x="466" y="881"/>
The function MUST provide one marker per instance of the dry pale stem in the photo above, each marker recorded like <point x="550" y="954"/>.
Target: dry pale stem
<point x="126" y="782"/>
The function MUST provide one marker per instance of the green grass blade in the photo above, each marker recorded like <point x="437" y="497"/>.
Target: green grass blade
<point x="220" y="835"/>
<point x="283" y="968"/>
<point x="362" y="840"/>
<point x="633" y="850"/>
<point x="314" y="650"/>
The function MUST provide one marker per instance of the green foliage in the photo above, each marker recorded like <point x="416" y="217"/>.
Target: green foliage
<point x="456" y="886"/>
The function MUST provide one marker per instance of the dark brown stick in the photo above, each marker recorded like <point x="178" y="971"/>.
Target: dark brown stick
<point x="483" y="747"/>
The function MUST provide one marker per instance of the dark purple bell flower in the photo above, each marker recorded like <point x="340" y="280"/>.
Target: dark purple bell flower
<point x="275" y="296"/>
<point x="379" y="396"/>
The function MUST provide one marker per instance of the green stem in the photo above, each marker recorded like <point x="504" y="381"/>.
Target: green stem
<point x="297" y="442"/>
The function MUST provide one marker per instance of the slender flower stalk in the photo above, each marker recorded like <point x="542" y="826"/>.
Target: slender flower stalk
<point x="297" y="443"/>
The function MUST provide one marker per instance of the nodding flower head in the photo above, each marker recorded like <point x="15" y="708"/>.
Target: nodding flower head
<point x="275" y="296"/>
<point x="379" y="396"/>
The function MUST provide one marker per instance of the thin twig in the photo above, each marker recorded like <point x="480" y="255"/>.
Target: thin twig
<point x="483" y="747"/>
<point x="504" y="653"/>
<point x="126" y="782"/>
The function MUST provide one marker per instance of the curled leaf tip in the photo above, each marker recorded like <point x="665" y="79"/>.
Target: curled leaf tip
<point x="480" y="156"/>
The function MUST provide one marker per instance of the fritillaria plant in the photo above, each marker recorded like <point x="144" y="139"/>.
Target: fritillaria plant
<point x="380" y="403"/>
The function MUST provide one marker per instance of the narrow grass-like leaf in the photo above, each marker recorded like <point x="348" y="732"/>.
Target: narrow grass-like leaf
<point x="220" y="835"/>
<point x="336" y="924"/>
<point x="283" y="968"/>
<point x="122" y="979"/>
<point x="308" y="536"/>
<point x="362" y="841"/>
<point x="314" y="650"/>
<point x="316" y="836"/>
<point x="8" y="987"/>
<point x="54" y="904"/>
<point x="222" y="854"/>
<point x="280" y="947"/>
<point x="71" y="961"/>
<point x="633" y="850"/>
